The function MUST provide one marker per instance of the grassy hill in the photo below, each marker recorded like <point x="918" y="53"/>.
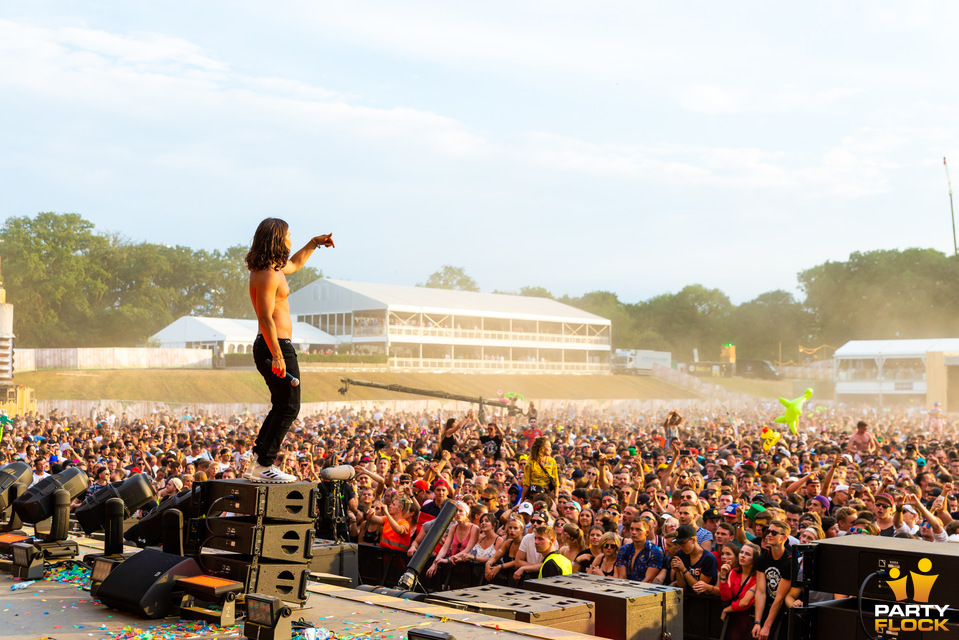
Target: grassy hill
<point x="232" y="386"/>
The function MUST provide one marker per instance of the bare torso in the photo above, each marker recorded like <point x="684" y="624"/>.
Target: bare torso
<point x="861" y="443"/>
<point x="273" y="281"/>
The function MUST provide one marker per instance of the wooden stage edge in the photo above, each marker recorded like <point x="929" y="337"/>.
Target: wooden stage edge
<point x="48" y="609"/>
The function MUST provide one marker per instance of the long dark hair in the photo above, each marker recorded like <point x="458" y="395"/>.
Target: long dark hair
<point x="268" y="250"/>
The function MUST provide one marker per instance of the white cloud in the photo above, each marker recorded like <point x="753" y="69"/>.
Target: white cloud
<point x="153" y="76"/>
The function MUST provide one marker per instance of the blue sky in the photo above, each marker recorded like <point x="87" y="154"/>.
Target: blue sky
<point x="622" y="146"/>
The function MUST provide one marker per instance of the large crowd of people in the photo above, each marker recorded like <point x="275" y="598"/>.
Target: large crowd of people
<point x="702" y="502"/>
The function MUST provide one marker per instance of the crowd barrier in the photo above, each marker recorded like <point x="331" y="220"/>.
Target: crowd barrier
<point x="379" y="567"/>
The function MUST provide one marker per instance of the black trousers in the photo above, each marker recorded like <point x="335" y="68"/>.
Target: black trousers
<point x="284" y="396"/>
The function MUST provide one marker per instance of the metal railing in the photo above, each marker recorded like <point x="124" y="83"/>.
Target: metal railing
<point x="498" y="365"/>
<point x="478" y="334"/>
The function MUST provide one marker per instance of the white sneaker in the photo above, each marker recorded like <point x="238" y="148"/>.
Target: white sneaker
<point x="269" y="474"/>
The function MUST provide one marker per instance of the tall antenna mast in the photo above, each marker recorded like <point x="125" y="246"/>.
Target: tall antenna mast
<point x="952" y="212"/>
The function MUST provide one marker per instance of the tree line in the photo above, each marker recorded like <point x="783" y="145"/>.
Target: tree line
<point x="75" y="287"/>
<point x="885" y="294"/>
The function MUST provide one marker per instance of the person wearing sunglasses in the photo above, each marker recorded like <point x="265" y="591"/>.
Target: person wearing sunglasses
<point x="884" y="507"/>
<point x="604" y="564"/>
<point x="931" y="528"/>
<point x="773" y="580"/>
<point x="863" y="527"/>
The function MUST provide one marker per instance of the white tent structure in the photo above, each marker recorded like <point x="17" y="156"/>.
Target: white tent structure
<point x="439" y="329"/>
<point x="889" y="370"/>
<point x="229" y="335"/>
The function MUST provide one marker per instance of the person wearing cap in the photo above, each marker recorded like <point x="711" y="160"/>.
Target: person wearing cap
<point x="818" y="505"/>
<point x="171" y="488"/>
<point x="754" y="521"/>
<point x="773" y="580"/>
<point x="884" y="506"/>
<point x="711" y="518"/>
<point x="932" y="529"/>
<point x="421" y="493"/>
<point x="571" y="510"/>
<point x="906" y="520"/>
<point x="431" y="509"/>
<point x="840" y="495"/>
<point x="692" y="563"/>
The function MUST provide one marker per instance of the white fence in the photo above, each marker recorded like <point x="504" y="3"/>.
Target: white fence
<point x="497" y="366"/>
<point x="823" y="370"/>
<point x="111" y="358"/>
<point x="701" y="386"/>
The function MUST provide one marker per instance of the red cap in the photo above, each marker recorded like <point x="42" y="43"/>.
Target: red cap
<point x="421" y="485"/>
<point x="886" y="497"/>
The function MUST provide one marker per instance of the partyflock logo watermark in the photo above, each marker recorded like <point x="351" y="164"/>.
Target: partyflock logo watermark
<point x="921" y="616"/>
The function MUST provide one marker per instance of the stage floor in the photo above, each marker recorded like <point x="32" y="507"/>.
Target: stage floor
<point x="62" y="611"/>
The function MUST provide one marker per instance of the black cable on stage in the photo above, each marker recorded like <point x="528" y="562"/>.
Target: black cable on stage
<point x="881" y="573"/>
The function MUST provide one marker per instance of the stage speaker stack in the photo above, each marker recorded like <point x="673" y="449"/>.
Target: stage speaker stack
<point x="896" y="577"/>
<point x="258" y="534"/>
<point x="625" y="609"/>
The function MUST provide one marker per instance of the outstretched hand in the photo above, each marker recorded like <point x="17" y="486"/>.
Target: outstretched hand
<point x="326" y="240"/>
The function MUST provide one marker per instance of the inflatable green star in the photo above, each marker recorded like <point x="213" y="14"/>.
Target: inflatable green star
<point x="793" y="410"/>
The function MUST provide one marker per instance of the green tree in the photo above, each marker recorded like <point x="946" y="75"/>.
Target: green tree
<point x="607" y="305"/>
<point x="535" y="292"/>
<point x="304" y="277"/>
<point x="883" y="294"/>
<point x="772" y="319"/>
<point x="450" y="278"/>
<point x="149" y="286"/>
<point x="51" y="279"/>
<point x="531" y="292"/>
<point x="694" y="318"/>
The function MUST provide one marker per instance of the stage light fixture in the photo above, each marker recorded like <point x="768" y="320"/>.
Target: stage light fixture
<point x="37" y="503"/>
<point x="267" y="618"/>
<point x="428" y="634"/>
<point x="10" y="475"/>
<point x="27" y="561"/>
<point x="149" y="530"/>
<point x="135" y="491"/>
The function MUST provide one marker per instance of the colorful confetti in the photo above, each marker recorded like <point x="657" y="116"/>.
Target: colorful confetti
<point x="74" y="574"/>
<point x="172" y="631"/>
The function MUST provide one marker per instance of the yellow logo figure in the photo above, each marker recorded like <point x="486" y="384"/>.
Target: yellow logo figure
<point x="897" y="584"/>
<point x="921" y="584"/>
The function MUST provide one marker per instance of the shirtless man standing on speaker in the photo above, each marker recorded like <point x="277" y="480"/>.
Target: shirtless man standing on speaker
<point x="269" y="262"/>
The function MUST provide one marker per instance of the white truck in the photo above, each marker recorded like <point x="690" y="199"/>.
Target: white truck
<point x="639" y="361"/>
